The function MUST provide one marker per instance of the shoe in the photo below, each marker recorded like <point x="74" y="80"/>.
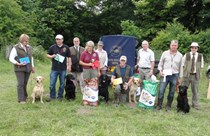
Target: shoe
<point x="59" y="99"/>
<point x="195" y="107"/>
<point x="22" y="102"/>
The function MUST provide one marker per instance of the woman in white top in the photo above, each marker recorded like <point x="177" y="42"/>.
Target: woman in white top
<point x="103" y="58"/>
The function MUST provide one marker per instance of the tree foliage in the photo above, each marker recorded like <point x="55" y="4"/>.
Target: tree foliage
<point x="173" y="31"/>
<point x="14" y="21"/>
<point x="90" y="19"/>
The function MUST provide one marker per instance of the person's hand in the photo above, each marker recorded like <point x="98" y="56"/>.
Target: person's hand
<point x="161" y="73"/>
<point x="53" y="56"/>
<point x="151" y="73"/>
<point x="99" y="73"/>
<point x="21" y="64"/>
<point x="33" y="70"/>
<point x="68" y="69"/>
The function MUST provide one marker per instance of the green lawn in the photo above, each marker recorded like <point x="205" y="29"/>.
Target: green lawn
<point x="71" y="118"/>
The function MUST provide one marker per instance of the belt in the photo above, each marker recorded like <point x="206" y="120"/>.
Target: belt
<point x="192" y="73"/>
<point x="144" y="68"/>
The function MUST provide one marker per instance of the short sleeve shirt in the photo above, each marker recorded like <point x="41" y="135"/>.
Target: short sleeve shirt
<point x="86" y="57"/>
<point x="63" y="51"/>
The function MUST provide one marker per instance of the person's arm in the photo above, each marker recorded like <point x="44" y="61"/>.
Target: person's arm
<point x="202" y="62"/>
<point x="152" y="63"/>
<point x="12" y="56"/>
<point x="138" y="59"/>
<point x="106" y="59"/>
<point x="160" y="65"/>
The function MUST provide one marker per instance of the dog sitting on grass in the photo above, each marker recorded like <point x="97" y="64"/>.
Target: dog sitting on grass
<point x="70" y="88"/>
<point x="38" y="90"/>
<point x="182" y="100"/>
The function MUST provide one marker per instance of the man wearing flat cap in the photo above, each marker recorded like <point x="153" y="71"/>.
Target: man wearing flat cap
<point x="192" y="64"/>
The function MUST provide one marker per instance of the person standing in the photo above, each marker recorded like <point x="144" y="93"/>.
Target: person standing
<point x="170" y="67"/>
<point x="123" y="71"/>
<point x="21" y="57"/>
<point x="102" y="57"/>
<point x="76" y="68"/>
<point x="145" y="62"/>
<point x="86" y="60"/>
<point x="60" y="55"/>
<point x="192" y="64"/>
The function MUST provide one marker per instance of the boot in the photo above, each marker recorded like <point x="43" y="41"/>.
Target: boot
<point x="168" y="106"/>
<point x="159" y="104"/>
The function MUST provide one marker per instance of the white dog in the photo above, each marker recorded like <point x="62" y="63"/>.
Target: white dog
<point x="38" y="90"/>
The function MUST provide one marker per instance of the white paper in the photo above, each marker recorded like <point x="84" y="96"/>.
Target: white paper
<point x="59" y="58"/>
<point x="166" y="72"/>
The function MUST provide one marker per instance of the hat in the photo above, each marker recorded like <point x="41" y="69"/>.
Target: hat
<point x="100" y="43"/>
<point x="194" y="44"/>
<point x="123" y="58"/>
<point x="59" y="36"/>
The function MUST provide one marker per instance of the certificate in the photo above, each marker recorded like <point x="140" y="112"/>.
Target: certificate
<point x="59" y="58"/>
<point x="24" y="60"/>
<point x="118" y="81"/>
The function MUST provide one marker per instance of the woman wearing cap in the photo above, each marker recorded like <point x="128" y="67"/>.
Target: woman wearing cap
<point x="21" y="57"/>
<point x="87" y="59"/>
<point x="123" y="71"/>
<point x="192" y="64"/>
<point x="102" y="57"/>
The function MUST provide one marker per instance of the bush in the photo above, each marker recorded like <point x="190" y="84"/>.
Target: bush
<point x="203" y="40"/>
<point x="174" y="31"/>
<point x="39" y="53"/>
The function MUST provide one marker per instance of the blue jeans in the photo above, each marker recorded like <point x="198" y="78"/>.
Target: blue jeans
<point x="171" y="80"/>
<point x="53" y="79"/>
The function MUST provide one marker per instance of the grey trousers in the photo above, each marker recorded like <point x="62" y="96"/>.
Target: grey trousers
<point x="123" y="97"/>
<point x="194" y="87"/>
<point x="144" y="75"/>
<point x="22" y="81"/>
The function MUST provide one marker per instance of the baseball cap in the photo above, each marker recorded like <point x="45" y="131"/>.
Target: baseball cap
<point x="123" y="58"/>
<point x="59" y="36"/>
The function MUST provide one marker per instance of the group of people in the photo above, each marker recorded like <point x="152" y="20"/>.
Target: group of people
<point x="174" y="68"/>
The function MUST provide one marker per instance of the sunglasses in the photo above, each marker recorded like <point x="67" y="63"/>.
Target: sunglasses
<point x="194" y="47"/>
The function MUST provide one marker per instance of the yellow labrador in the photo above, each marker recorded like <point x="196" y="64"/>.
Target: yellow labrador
<point x="38" y="90"/>
<point x="133" y="88"/>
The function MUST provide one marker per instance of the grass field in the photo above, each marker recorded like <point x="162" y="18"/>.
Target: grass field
<point x="71" y="118"/>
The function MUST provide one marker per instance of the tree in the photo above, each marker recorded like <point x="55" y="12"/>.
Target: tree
<point x="153" y="15"/>
<point x="14" y="21"/>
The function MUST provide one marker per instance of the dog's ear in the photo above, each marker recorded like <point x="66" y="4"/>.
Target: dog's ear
<point x="43" y="78"/>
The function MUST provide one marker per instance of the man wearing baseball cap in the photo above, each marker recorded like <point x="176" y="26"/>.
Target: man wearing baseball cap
<point x="192" y="64"/>
<point x="124" y="72"/>
<point x="60" y="55"/>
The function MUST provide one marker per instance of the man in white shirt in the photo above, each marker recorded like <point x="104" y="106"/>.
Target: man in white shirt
<point x="192" y="64"/>
<point x="145" y="62"/>
<point x="170" y="68"/>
